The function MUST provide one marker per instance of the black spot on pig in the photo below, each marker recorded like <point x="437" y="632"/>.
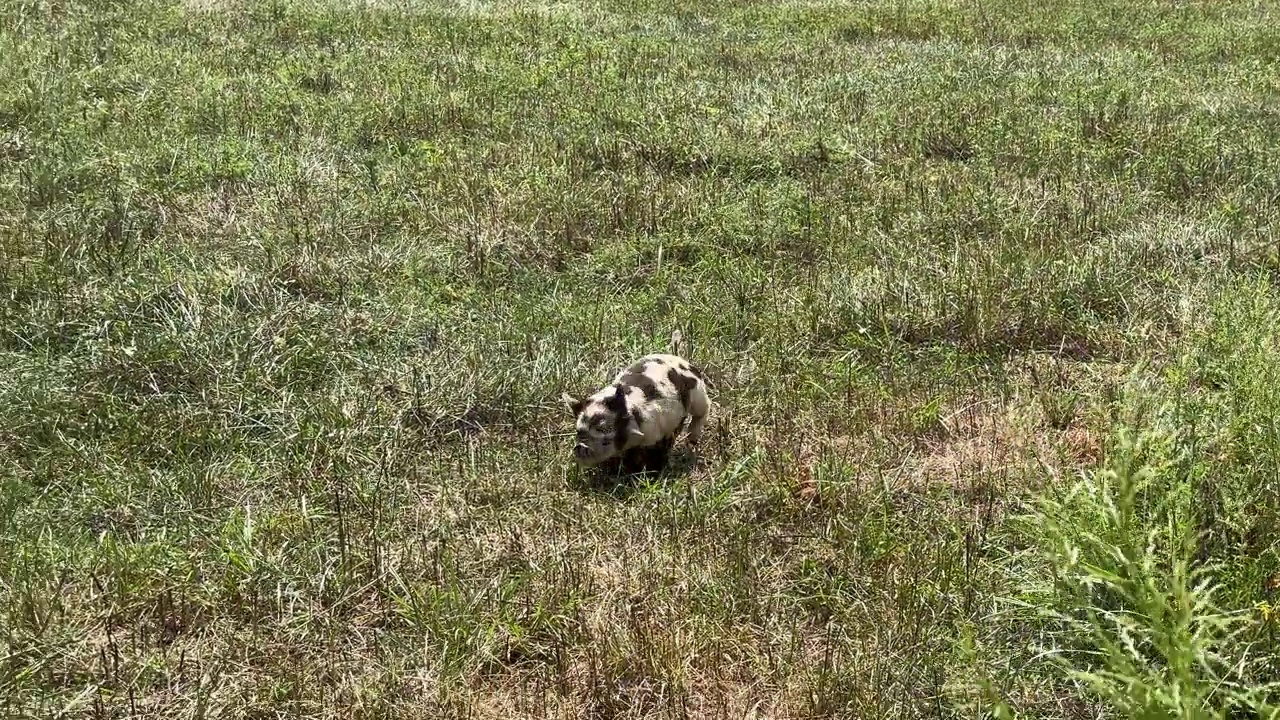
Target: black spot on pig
<point x="644" y="383"/>
<point x="684" y="384"/>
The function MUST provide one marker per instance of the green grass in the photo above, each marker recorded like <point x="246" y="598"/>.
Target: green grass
<point x="289" y="291"/>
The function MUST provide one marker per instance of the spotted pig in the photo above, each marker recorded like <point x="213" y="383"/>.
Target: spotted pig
<point x="638" y="415"/>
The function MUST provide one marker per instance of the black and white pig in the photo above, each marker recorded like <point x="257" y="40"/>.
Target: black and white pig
<point x="635" y="419"/>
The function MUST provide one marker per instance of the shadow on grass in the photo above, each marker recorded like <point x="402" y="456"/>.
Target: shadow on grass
<point x="622" y="478"/>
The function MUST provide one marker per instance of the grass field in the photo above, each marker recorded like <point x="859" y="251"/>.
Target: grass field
<point x="289" y="291"/>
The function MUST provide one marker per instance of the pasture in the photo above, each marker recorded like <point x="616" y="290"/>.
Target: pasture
<point x="986" y="294"/>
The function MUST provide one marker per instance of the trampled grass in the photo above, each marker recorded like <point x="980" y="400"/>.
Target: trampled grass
<point x="291" y="290"/>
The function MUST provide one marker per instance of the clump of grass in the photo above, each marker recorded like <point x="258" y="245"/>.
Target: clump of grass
<point x="1147" y="580"/>
<point x="1137" y="621"/>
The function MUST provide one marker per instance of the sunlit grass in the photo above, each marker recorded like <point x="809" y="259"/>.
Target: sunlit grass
<point x="289" y="292"/>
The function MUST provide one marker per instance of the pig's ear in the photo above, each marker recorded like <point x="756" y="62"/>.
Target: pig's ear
<point x="573" y="404"/>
